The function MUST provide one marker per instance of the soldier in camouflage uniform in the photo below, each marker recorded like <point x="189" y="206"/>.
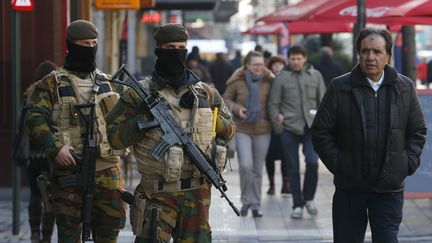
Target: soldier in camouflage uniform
<point x="173" y="198"/>
<point x="55" y="126"/>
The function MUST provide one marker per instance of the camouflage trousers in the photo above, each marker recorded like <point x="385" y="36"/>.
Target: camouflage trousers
<point x="108" y="215"/>
<point x="188" y="212"/>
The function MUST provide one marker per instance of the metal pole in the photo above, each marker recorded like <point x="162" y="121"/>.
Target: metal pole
<point x="409" y="52"/>
<point x="361" y="22"/>
<point x="131" y="41"/>
<point x="16" y="94"/>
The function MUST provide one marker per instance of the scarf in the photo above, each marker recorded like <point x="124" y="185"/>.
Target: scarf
<point x="170" y="64"/>
<point x="253" y="106"/>
<point x="80" y="58"/>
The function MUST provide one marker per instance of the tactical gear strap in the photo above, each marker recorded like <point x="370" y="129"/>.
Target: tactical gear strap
<point x="181" y="185"/>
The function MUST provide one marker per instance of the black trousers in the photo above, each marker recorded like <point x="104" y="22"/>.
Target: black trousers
<point x="353" y="210"/>
<point x="275" y="153"/>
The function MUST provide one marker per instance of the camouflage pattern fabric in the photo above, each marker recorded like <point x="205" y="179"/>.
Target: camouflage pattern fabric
<point x="189" y="209"/>
<point x="109" y="212"/>
<point x="38" y="117"/>
<point x="122" y="126"/>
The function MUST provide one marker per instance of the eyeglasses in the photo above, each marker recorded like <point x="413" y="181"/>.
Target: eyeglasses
<point x="257" y="64"/>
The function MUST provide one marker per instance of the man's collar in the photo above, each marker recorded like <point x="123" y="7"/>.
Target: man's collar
<point x="375" y="85"/>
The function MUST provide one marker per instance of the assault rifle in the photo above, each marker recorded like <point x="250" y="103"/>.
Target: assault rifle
<point x="173" y="133"/>
<point x="85" y="178"/>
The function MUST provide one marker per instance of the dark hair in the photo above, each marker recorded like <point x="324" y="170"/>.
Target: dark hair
<point x="275" y="59"/>
<point x="43" y="69"/>
<point x="375" y="31"/>
<point x="258" y="48"/>
<point x="249" y="56"/>
<point x="220" y="56"/>
<point x="267" y="54"/>
<point x="294" y="50"/>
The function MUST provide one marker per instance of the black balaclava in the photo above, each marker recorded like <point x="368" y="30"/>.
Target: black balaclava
<point x="80" y="58"/>
<point x="171" y="64"/>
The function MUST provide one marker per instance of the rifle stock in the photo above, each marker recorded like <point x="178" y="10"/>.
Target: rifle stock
<point x="173" y="133"/>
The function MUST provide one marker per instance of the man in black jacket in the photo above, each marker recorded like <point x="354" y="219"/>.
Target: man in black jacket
<point x="369" y="132"/>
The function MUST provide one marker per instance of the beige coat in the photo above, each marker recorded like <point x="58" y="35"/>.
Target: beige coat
<point x="236" y="95"/>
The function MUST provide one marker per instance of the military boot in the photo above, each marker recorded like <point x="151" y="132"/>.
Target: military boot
<point x="35" y="212"/>
<point x="47" y="226"/>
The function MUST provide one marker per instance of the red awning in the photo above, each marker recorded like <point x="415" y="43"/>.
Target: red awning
<point x="404" y="20"/>
<point x="413" y="8"/>
<point x="299" y="11"/>
<point x="264" y="29"/>
<point x="300" y="27"/>
<point x="401" y="12"/>
<point x="392" y="12"/>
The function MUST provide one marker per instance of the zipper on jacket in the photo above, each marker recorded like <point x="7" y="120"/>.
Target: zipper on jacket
<point x="375" y="133"/>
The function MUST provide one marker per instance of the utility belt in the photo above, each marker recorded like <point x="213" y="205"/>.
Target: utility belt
<point x="181" y="185"/>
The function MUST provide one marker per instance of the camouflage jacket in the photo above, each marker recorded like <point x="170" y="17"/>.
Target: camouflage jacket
<point x="122" y="126"/>
<point x="38" y="119"/>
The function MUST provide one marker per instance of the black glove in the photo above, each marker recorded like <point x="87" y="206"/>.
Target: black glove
<point x="187" y="101"/>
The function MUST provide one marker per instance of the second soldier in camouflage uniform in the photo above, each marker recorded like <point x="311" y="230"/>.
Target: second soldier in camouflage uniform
<point x="55" y="126"/>
<point x="173" y="198"/>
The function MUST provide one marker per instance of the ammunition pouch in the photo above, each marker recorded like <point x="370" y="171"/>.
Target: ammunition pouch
<point x="220" y="157"/>
<point x="173" y="163"/>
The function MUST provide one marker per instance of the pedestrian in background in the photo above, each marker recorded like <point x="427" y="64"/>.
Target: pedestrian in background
<point x="429" y="74"/>
<point x="195" y="53"/>
<point x="369" y="132"/>
<point x="36" y="165"/>
<point x="327" y="66"/>
<point x="276" y="64"/>
<point x="236" y="62"/>
<point x="55" y="126"/>
<point x="173" y="198"/>
<point x="220" y="71"/>
<point x="246" y="95"/>
<point x="201" y="71"/>
<point x="293" y="101"/>
<point x="421" y="71"/>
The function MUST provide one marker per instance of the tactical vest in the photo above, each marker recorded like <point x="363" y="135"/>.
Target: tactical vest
<point x="175" y="165"/>
<point x="67" y="120"/>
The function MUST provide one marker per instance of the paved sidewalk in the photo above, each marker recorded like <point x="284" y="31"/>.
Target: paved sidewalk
<point x="275" y="226"/>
